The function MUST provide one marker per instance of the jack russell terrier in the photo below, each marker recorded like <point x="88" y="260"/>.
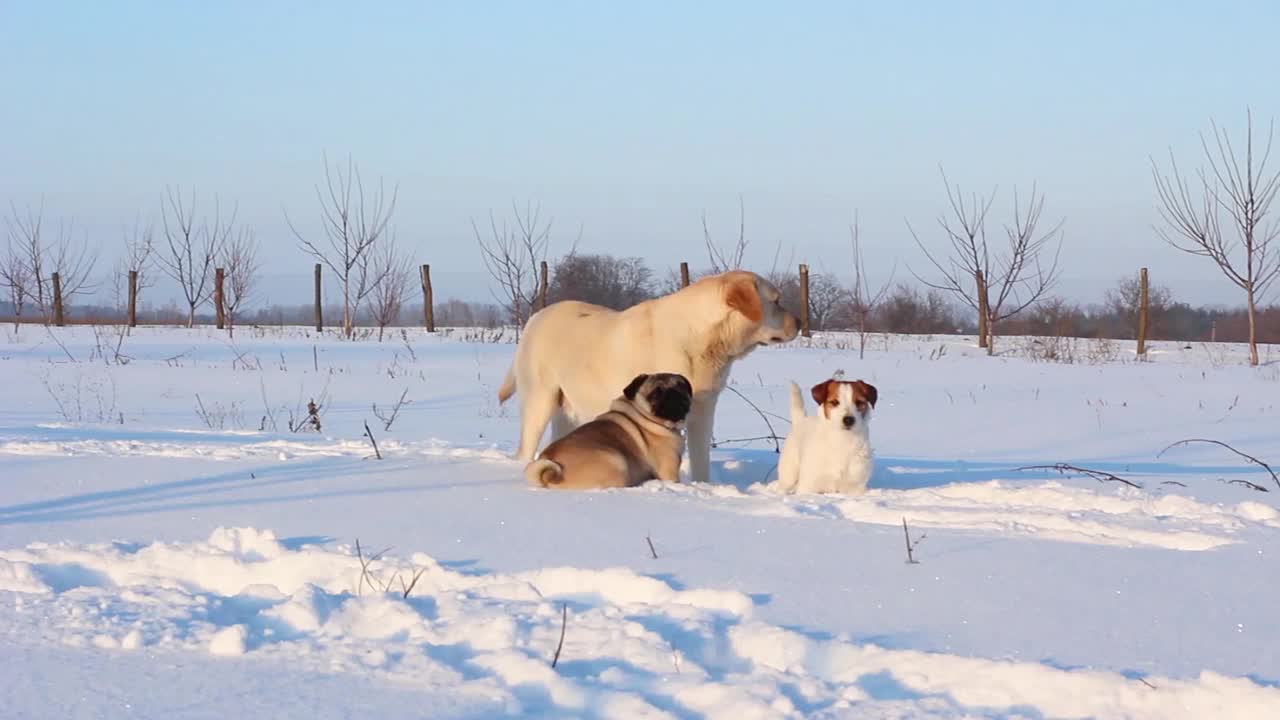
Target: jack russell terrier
<point x="829" y="452"/>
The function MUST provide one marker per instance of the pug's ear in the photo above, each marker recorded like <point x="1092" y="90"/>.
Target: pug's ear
<point x="631" y="390"/>
<point x="685" y="386"/>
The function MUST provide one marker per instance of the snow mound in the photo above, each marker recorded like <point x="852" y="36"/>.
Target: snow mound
<point x="20" y="577"/>
<point x="627" y="645"/>
<point x="51" y="440"/>
<point x="1046" y="510"/>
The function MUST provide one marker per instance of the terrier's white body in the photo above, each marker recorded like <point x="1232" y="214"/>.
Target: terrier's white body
<point x="830" y="451"/>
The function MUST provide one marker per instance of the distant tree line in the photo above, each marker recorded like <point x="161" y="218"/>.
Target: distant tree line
<point x="620" y="282"/>
<point x="990" y="268"/>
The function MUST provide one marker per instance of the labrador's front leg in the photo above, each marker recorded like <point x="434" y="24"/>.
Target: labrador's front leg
<point x="700" y="426"/>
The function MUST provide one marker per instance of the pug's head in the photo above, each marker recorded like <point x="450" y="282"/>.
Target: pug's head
<point x="665" y="396"/>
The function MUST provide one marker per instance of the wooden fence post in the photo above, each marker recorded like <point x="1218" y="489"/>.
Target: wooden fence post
<point x="542" y="285"/>
<point x="1142" y="311"/>
<point x="57" y="300"/>
<point x="133" y="298"/>
<point x="983" y="340"/>
<point x="219" y="299"/>
<point x="428" y="303"/>
<point x="684" y="274"/>
<point x="804" y="300"/>
<point x="319" y="312"/>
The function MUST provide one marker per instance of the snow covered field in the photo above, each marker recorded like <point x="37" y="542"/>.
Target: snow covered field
<point x="169" y="548"/>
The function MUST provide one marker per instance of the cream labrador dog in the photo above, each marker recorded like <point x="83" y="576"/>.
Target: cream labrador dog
<point x="574" y="356"/>
<point x="637" y="440"/>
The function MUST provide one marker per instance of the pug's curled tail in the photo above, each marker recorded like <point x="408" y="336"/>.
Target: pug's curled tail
<point x="544" y="473"/>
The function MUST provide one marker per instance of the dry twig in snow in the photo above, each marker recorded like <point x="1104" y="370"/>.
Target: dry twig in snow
<point x="1099" y="475"/>
<point x="564" y="623"/>
<point x="1219" y="443"/>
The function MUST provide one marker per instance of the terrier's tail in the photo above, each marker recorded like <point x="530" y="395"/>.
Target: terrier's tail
<point x="797" y="404"/>
<point x="508" y="387"/>
<point x="544" y="473"/>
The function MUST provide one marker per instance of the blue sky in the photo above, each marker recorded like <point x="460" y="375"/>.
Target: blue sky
<point x="630" y="119"/>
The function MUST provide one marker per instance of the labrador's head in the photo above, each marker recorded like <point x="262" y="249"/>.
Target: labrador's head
<point x="756" y="315"/>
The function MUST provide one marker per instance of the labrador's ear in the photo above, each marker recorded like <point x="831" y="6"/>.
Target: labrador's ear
<point x="743" y="296"/>
<point x="630" y="391"/>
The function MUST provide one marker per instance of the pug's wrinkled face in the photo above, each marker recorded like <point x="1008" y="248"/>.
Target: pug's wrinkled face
<point x="666" y="396"/>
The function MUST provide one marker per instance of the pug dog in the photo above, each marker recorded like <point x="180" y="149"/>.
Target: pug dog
<point x="638" y="439"/>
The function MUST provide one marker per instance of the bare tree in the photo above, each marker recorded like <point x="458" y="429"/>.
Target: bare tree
<point x="828" y="298"/>
<point x="731" y="256"/>
<point x="388" y="296"/>
<point x="1053" y="317"/>
<point x="239" y="260"/>
<point x="191" y="249"/>
<point x="670" y="282"/>
<point x="16" y="279"/>
<point x="616" y="283"/>
<point x="352" y="225"/>
<point x="1125" y="298"/>
<point x="139" y="246"/>
<point x="904" y="310"/>
<point x="728" y="257"/>
<point x="74" y="261"/>
<point x="41" y="257"/>
<point x="455" y="313"/>
<point x="26" y="247"/>
<point x="512" y="255"/>
<point x="1244" y="189"/>
<point x="865" y="298"/>
<point x="1006" y="279"/>
<point x="458" y="313"/>
<point x="785" y="275"/>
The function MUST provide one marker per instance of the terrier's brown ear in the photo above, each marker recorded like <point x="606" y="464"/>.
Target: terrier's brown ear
<point x="870" y="392"/>
<point x="743" y="296"/>
<point x="820" y="391"/>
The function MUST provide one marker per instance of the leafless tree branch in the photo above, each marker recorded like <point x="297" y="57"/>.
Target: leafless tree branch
<point x="728" y="257"/>
<point x="865" y="298"/>
<point x="190" y="248"/>
<point x="512" y="253"/>
<point x="1219" y="443"/>
<point x="564" y="624"/>
<point x="33" y="258"/>
<point x="1016" y="275"/>
<point x="1240" y="186"/>
<point x="239" y="260"/>
<point x="139" y="248"/>
<point x="1099" y="475"/>
<point x="352" y="222"/>
<point x="387" y="297"/>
